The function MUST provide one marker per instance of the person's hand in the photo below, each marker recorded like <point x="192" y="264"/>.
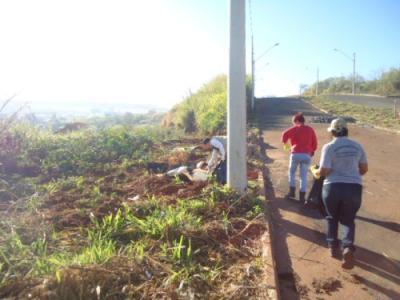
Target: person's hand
<point x="201" y="165"/>
<point x="315" y="171"/>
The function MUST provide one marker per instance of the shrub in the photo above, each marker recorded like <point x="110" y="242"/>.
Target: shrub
<point x="205" y="110"/>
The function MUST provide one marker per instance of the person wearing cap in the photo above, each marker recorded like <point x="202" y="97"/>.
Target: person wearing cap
<point x="217" y="162"/>
<point x="303" y="144"/>
<point x="343" y="162"/>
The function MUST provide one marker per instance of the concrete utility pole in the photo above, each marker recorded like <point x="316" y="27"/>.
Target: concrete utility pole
<point x="354" y="74"/>
<point x="253" y="71"/>
<point x="237" y="166"/>
<point x="316" y="88"/>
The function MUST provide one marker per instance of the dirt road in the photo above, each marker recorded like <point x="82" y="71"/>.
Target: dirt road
<point x="305" y="269"/>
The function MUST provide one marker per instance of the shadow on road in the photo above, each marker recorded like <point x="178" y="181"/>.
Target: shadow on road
<point x="286" y="274"/>
<point x="298" y="207"/>
<point x="388" y="225"/>
<point x="365" y="259"/>
<point x="274" y="114"/>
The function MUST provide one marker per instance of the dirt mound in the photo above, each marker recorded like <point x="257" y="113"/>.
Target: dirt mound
<point x="246" y="231"/>
<point x="326" y="286"/>
<point x="163" y="186"/>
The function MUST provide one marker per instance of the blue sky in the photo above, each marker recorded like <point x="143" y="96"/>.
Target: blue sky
<point x="309" y="30"/>
<point x="153" y="52"/>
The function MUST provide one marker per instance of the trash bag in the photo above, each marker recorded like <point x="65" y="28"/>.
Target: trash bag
<point x="314" y="199"/>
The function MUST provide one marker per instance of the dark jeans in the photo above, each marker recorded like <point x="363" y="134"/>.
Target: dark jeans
<point x="342" y="201"/>
<point x="220" y="172"/>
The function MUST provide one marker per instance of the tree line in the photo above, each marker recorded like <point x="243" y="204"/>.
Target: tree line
<point x="387" y="84"/>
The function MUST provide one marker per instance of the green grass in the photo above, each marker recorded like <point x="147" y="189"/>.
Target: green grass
<point x="183" y="243"/>
<point x="174" y="235"/>
<point x="363" y="114"/>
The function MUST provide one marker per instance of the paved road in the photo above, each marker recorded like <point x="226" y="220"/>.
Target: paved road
<point x="371" y="101"/>
<point x="305" y="269"/>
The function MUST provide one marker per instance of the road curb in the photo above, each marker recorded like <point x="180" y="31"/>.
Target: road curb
<point x="316" y="107"/>
<point x="268" y="249"/>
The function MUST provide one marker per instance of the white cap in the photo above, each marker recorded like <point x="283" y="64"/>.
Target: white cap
<point x="337" y="125"/>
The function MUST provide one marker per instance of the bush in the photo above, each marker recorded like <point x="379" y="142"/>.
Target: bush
<point x="74" y="154"/>
<point x="205" y="110"/>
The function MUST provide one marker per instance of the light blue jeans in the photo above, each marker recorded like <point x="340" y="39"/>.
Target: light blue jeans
<point x="304" y="161"/>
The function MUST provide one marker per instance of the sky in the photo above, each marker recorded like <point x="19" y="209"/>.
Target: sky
<point x="153" y="53"/>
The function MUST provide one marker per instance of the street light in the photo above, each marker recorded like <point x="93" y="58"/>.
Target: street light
<point x="266" y="51"/>
<point x="353" y="59"/>
<point x="253" y="62"/>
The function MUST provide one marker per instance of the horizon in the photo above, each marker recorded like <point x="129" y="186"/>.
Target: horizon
<point x="93" y="52"/>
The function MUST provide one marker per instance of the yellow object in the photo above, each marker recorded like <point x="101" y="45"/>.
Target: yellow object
<point x="315" y="171"/>
<point x="286" y="147"/>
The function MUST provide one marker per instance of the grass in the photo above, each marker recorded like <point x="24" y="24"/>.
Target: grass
<point x="175" y="236"/>
<point x="363" y="114"/>
<point x="79" y="230"/>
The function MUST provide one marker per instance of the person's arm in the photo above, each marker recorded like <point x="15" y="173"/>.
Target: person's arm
<point x="286" y="136"/>
<point x="314" y="141"/>
<point x="213" y="162"/>
<point x="363" y="164"/>
<point x="325" y="162"/>
<point x="363" y="167"/>
<point x="217" y="144"/>
<point x="324" y="172"/>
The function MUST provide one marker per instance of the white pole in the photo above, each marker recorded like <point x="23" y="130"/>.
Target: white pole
<point x="237" y="166"/>
<point x="252" y="75"/>
<point x="354" y="74"/>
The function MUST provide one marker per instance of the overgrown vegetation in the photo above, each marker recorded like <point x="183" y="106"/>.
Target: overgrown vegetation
<point x="363" y="114"/>
<point x="206" y="110"/>
<point x="387" y="84"/>
<point x="82" y="217"/>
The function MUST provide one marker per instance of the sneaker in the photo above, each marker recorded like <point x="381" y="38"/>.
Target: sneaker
<point x="334" y="252"/>
<point x="302" y="197"/>
<point x="348" y="259"/>
<point x="291" y="194"/>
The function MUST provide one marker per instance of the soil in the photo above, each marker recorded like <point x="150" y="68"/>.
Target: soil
<point x="72" y="208"/>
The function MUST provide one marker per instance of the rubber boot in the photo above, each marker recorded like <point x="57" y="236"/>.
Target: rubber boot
<point x="292" y="193"/>
<point x="302" y="197"/>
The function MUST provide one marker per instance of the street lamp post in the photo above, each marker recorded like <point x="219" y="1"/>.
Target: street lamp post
<point x="353" y="59"/>
<point x="253" y="67"/>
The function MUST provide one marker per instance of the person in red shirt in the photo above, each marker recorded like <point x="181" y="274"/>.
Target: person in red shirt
<point x="303" y="143"/>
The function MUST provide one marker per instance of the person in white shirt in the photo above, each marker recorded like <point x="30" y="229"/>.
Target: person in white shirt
<point x="217" y="162"/>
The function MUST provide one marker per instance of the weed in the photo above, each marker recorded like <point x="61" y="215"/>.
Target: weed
<point x="34" y="202"/>
<point x="375" y="116"/>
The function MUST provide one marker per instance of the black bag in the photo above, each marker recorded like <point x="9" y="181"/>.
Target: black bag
<point x="314" y="199"/>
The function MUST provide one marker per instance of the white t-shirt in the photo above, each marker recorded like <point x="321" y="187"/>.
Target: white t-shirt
<point x="218" y="153"/>
<point x="344" y="157"/>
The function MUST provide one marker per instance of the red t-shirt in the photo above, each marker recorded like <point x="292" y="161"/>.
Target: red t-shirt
<point x="302" y="138"/>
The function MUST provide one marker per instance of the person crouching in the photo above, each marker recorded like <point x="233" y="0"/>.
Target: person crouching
<point x="217" y="164"/>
